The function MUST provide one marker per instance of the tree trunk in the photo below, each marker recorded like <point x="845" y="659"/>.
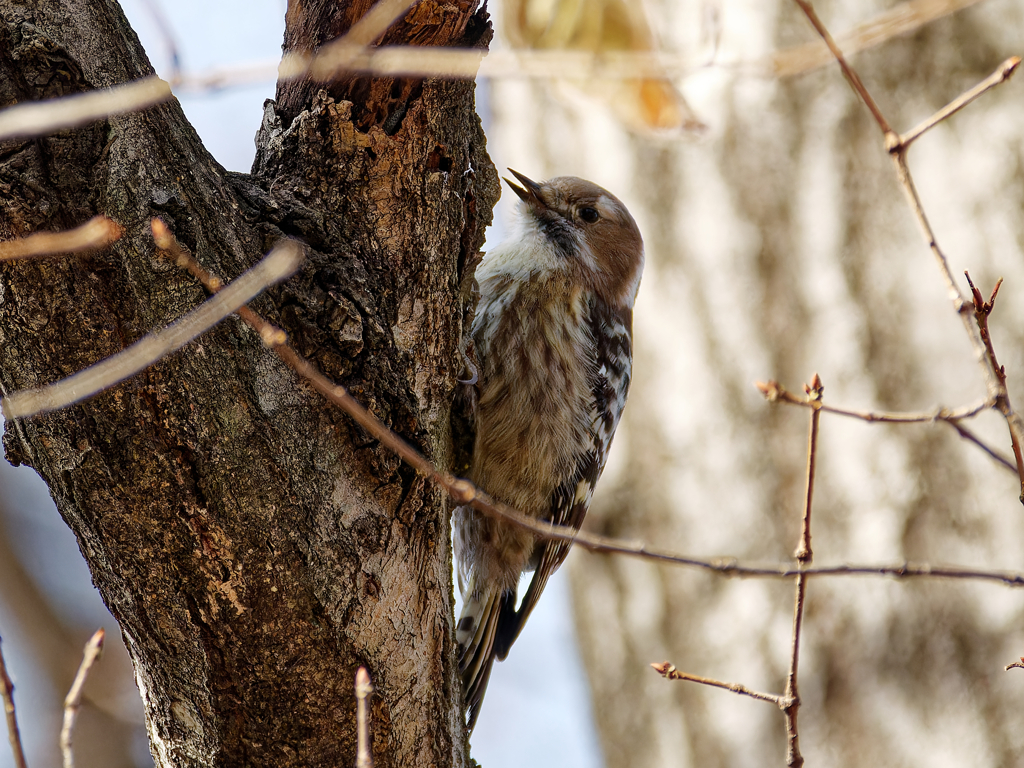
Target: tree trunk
<point x="255" y="546"/>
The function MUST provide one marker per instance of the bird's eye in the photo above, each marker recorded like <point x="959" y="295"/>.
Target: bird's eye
<point x="589" y="215"/>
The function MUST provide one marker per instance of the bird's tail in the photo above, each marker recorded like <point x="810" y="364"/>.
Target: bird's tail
<point x="487" y="617"/>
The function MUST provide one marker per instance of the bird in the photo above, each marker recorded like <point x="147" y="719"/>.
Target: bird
<point x="553" y="339"/>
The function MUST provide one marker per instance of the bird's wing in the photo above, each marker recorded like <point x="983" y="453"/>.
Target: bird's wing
<point x="612" y="334"/>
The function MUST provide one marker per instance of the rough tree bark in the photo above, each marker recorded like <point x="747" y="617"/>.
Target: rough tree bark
<point x="254" y="545"/>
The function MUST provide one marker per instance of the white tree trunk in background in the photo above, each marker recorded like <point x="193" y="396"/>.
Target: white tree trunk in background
<point x="780" y="245"/>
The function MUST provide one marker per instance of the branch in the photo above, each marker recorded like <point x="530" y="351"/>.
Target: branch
<point x="1001" y="75"/>
<point x="776" y="393"/>
<point x="73" y="701"/>
<point x="350" y="54"/>
<point x="97" y="232"/>
<point x="41" y="117"/>
<point x="669" y="672"/>
<point x="280" y="263"/>
<point x="7" y="696"/>
<point x="464" y="492"/>
<point x="966" y="434"/>
<point x="897" y="148"/>
<point x="901" y="19"/>
<point x="804" y="556"/>
<point x="417" y="61"/>
<point x="982" y="309"/>
<point x="851" y="77"/>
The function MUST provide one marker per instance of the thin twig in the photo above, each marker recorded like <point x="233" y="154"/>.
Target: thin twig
<point x="994" y="378"/>
<point x="364" y="758"/>
<point x="36" y="118"/>
<point x="982" y="309"/>
<point x="1001" y="75"/>
<point x="7" y="696"/>
<point x="851" y="76"/>
<point x="804" y="556"/>
<point x="776" y="393"/>
<point x="669" y="672"/>
<point x="163" y="27"/>
<point x="97" y="232"/>
<point x="464" y="492"/>
<point x="960" y="305"/>
<point x="280" y="263"/>
<point x="966" y="434"/>
<point x="73" y="701"/>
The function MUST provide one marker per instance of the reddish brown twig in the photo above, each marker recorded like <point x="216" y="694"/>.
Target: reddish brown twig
<point x="7" y="697"/>
<point x="897" y="147"/>
<point x="464" y="492"/>
<point x="804" y="556"/>
<point x="776" y="393"/>
<point x="851" y="76"/>
<point x="669" y="672"/>
<point x="982" y="309"/>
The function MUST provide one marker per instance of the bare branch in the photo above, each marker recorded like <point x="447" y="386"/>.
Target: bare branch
<point x="364" y="758"/>
<point x="982" y="309"/>
<point x="464" y="492"/>
<point x="279" y="264"/>
<point x="1001" y="75"/>
<point x="37" y="118"/>
<point x="852" y="77"/>
<point x="995" y="380"/>
<point x="815" y="390"/>
<point x="417" y="61"/>
<point x="73" y="701"/>
<point x="774" y="392"/>
<point x="804" y="556"/>
<point x="966" y="434"/>
<point x="7" y="696"/>
<point x="349" y="53"/>
<point x="97" y="232"/>
<point x="669" y="672"/>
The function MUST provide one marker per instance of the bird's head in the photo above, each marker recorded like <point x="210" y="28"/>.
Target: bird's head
<point x="588" y="228"/>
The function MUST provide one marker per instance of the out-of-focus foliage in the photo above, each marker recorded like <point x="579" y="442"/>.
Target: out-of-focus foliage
<point x="649" y="104"/>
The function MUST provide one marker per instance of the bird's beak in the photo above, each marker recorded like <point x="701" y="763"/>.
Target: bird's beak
<point x="529" y="192"/>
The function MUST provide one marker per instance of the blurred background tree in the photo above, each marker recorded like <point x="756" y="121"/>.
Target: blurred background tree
<point x="779" y="244"/>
